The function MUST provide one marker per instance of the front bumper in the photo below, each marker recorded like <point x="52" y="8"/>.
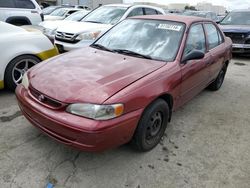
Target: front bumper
<point x="75" y="131"/>
<point x="65" y="47"/>
<point x="241" y="48"/>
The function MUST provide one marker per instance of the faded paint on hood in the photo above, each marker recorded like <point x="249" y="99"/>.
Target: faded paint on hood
<point x="82" y="27"/>
<point x="235" y="28"/>
<point x="89" y="75"/>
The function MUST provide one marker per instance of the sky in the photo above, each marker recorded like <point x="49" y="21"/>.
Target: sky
<point x="229" y="4"/>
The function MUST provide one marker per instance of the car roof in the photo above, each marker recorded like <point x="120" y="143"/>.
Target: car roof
<point x="173" y="17"/>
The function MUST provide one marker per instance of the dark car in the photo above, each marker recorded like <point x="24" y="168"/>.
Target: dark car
<point x="236" y="25"/>
<point x="125" y="86"/>
<point x="203" y="14"/>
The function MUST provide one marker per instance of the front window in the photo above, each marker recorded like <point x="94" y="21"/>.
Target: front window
<point x="236" y="18"/>
<point x="106" y="15"/>
<point x="196" y="40"/>
<point x="152" y="39"/>
<point x="59" y="12"/>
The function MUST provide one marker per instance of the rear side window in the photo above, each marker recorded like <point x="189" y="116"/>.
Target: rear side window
<point x="196" y="39"/>
<point x="136" y="12"/>
<point x="214" y="39"/>
<point x="7" y="3"/>
<point x="150" y="11"/>
<point x="26" y="4"/>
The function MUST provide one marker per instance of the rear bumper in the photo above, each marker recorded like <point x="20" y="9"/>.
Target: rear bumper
<point x="75" y="131"/>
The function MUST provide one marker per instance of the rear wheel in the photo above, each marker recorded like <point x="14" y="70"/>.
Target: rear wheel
<point x="152" y="126"/>
<point x="16" y="69"/>
<point x="216" y="85"/>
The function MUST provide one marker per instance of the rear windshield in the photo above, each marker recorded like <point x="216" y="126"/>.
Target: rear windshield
<point x="236" y="18"/>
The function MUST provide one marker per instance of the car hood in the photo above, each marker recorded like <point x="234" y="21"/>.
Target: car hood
<point x="49" y="17"/>
<point x="88" y="75"/>
<point x="235" y="28"/>
<point x="50" y="24"/>
<point x="81" y="27"/>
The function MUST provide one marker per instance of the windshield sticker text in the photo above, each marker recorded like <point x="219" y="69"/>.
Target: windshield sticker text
<point x="170" y="27"/>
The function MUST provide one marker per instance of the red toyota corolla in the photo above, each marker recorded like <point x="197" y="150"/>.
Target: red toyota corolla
<point x="125" y="86"/>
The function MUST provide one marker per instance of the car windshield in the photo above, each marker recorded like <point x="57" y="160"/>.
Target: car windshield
<point x="236" y="18"/>
<point x="106" y="15"/>
<point x="48" y="10"/>
<point x="76" y="16"/>
<point x="59" y="12"/>
<point x="151" y="39"/>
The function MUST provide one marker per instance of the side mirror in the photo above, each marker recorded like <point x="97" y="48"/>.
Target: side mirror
<point x="67" y="15"/>
<point x="194" y="54"/>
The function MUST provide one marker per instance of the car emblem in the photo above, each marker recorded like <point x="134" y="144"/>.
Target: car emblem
<point x="41" y="98"/>
<point x="62" y="36"/>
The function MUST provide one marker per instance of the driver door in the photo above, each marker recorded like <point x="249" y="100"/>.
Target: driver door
<point x="195" y="73"/>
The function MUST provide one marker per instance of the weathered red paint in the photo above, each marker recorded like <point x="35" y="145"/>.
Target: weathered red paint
<point x="101" y="77"/>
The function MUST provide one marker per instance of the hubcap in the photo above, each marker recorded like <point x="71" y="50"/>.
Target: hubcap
<point x="154" y="126"/>
<point x="21" y="68"/>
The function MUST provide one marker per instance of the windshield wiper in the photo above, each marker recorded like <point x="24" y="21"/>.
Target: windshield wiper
<point x="101" y="47"/>
<point x="92" y="21"/>
<point x="128" y="52"/>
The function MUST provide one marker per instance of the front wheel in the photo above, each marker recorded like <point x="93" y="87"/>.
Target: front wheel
<point x="152" y="126"/>
<point x="16" y="69"/>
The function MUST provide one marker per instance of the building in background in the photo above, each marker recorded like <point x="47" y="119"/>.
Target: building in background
<point x="210" y="7"/>
<point x="178" y="6"/>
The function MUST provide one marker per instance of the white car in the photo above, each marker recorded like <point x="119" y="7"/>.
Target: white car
<point x="20" y="12"/>
<point x="80" y="34"/>
<point x="61" y="13"/>
<point x="20" y="50"/>
<point x="50" y="27"/>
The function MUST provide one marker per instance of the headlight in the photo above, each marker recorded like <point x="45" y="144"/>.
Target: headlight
<point x="88" y="36"/>
<point x="49" y="32"/>
<point x="25" y="81"/>
<point x="97" y="112"/>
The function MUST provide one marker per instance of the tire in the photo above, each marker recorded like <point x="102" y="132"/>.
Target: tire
<point x="151" y="126"/>
<point x="217" y="83"/>
<point x="16" y="69"/>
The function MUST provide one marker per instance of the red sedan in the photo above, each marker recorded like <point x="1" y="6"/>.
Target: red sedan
<point x="125" y="86"/>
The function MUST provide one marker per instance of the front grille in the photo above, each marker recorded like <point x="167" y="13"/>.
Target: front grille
<point x="45" y="100"/>
<point x="237" y="38"/>
<point x="66" y="37"/>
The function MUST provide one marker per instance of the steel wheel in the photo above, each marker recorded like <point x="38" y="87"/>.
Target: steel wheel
<point x="153" y="127"/>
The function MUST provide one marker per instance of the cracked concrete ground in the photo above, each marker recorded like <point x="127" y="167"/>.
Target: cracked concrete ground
<point x="206" y="145"/>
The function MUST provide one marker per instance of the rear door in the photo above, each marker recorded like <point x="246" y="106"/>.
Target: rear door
<point x="195" y="73"/>
<point x="215" y="45"/>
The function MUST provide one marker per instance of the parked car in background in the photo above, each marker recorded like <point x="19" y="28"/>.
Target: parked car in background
<point x="20" y="50"/>
<point x="61" y="13"/>
<point x="236" y="25"/>
<point x="50" y="27"/>
<point x="20" y="12"/>
<point x="124" y="87"/>
<point x="79" y="34"/>
<point x="203" y="14"/>
<point x="50" y="9"/>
